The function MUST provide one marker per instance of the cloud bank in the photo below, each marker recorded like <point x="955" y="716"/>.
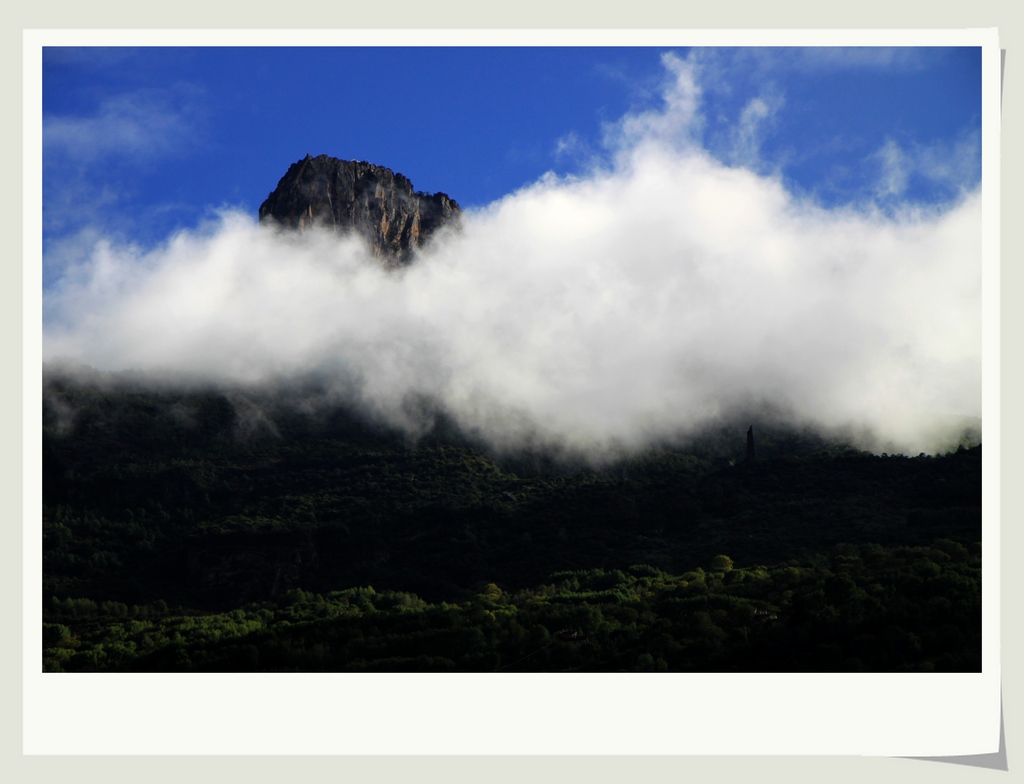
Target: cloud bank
<point x="606" y="311"/>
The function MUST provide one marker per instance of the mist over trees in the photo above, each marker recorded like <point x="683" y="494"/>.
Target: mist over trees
<point x="202" y="529"/>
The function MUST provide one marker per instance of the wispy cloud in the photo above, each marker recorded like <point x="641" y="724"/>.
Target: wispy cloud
<point x="676" y="121"/>
<point x="96" y="57"/>
<point x="894" y="175"/>
<point x="952" y="166"/>
<point x="144" y="124"/>
<point x="748" y="133"/>
<point x="772" y="61"/>
<point x="730" y="102"/>
<point x="835" y="58"/>
<point x="572" y="146"/>
<point x="956" y="164"/>
<point x="92" y="161"/>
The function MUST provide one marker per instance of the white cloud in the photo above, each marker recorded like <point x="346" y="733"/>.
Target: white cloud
<point x="595" y="312"/>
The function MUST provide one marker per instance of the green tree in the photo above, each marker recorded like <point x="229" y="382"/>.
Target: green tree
<point x="721" y="563"/>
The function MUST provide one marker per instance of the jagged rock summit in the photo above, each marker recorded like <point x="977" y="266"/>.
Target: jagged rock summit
<point x="362" y="197"/>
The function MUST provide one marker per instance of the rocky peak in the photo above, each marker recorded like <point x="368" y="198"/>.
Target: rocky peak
<point x="359" y="196"/>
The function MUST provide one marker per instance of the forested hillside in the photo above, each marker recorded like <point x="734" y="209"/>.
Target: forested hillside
<point x="205" y="529"/>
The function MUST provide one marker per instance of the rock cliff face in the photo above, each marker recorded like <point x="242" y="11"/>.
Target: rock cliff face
<point x="358" y="196"/>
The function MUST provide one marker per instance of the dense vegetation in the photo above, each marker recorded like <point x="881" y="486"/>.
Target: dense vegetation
<point x="214" y="530"/>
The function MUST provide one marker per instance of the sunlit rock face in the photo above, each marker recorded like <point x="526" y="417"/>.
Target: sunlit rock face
<point x="358" y="196"/>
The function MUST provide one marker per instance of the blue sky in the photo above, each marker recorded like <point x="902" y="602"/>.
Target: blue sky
<point x="142" y="141"/>
<point x="653" y="237"/>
